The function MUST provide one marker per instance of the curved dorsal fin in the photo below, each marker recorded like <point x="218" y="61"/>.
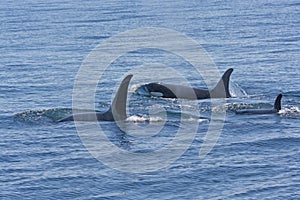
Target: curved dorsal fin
<point x="223" y="86"/>
<point x="277" y="104"/>
<point x="118" y="106"/>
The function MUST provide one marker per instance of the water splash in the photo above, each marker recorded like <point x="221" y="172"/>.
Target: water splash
<point x="143" y="119"/>
<point x="293" y="111"/>
<point x="147" y="119"/>
<point x="236" y="90"/>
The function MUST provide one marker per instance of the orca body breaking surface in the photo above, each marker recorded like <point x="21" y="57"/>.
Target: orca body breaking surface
<point x="221" y="90"/>
<point x="276" y="108"/>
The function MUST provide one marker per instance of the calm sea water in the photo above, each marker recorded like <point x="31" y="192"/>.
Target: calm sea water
<point x="42" y="46"/>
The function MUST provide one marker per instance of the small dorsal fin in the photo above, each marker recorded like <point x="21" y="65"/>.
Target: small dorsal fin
<point x="223" y="86"/>
<point x="277" y="104"/>
<point x="118" y="106"/>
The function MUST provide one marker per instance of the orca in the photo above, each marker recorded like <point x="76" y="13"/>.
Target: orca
<point x="275" y="109"/>
<point x="116" y="112"/>
<point x="221" y="90"/>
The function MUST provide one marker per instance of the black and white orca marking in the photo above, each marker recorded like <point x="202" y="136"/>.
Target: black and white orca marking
<point x="163" y="90"/>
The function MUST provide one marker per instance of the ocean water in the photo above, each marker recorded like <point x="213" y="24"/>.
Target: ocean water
<point x="43" y="46"/>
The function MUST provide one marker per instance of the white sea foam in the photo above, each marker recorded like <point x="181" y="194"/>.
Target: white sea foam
<point x="290" y="111"/>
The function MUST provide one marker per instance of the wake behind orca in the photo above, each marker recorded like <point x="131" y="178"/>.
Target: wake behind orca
<point x="221" y="90"/>
<point x="276" y="108"/>
<point x="116" y="112"/>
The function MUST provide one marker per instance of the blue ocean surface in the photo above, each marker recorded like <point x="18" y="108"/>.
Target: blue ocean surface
<point x="43" y="46"/>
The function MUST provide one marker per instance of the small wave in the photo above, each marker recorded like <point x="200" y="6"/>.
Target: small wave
<point x="268" y="142"/>
<point x="42" y="116"/>
<point x="292" y="94"/>
<point x="240" y="106"/>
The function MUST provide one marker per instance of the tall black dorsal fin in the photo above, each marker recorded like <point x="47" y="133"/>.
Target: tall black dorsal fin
<point x="117" y="110"/>
<point x="277" y="104"/>
<point x="118" y="106"/>
<point x="223" y="86"/>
